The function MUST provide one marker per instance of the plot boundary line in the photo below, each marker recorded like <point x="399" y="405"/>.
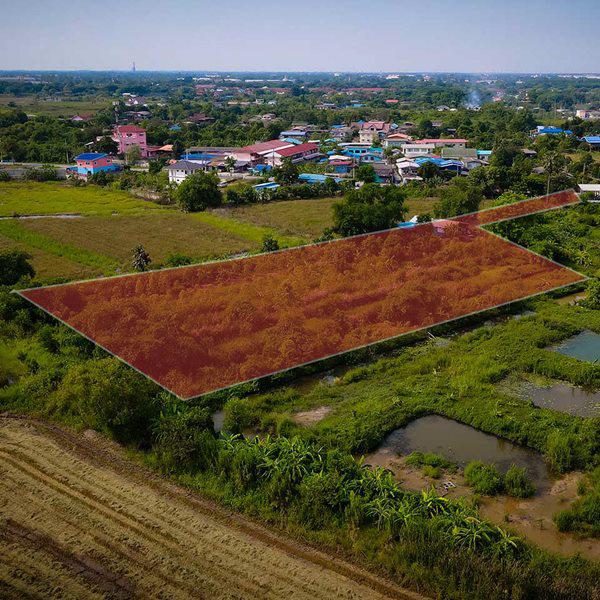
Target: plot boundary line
<point x="582" y="278"/>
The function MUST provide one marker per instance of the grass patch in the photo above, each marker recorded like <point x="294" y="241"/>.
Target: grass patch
<point x="161" y="234"/>
<point x="49" y="266"/>
<point x="305" y="218"/>
<point x="32" y="198"/>
<point x="65" y="108"/>
<point x="32" y="239"/>
<point x="252" y="233"/>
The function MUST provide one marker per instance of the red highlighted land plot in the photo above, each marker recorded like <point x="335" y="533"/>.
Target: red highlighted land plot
<point x="201" y="328"/>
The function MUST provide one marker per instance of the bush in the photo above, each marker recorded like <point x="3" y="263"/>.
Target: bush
<point x="199" y="192"/>
<point x="45" y="173"/>
<point x="14" y="265"/>
<point x="185" y="439"/>
<point x="560" y="451"/>
<point x="5" y="176"/>
<point x="108" y="396"/>
<point x="484" y="479"/>
<point x="517" y="484"/>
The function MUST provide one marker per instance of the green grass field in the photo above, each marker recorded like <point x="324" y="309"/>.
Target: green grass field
<point x="304" y="218"/>
<point x="65" y="108"/>
<point x="31" y="198"/>
<point x="47" y="265"/>
<point x="160" y="233"/>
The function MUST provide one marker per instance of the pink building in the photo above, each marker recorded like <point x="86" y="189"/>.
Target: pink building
<point x="130" y="135"/>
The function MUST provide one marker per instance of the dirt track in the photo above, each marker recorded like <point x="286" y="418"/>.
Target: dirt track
<point x="80" y="520"/>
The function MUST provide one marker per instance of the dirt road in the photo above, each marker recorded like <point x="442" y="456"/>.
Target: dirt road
<point x="80" y="520"/>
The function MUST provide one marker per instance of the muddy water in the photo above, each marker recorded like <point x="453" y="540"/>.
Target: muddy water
<point x="531" y="518"/>
<point x="306" y="383"/>
<point x="218" y="419"/>
<point x="563" y="397"/>
<point x="462" y="444"/>
<point x="583" y="346"/>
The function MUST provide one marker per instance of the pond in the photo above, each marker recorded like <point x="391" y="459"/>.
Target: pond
<point x="563" y="397"/>
<point x="462" y="444"/>
<point x="583" y="346"/>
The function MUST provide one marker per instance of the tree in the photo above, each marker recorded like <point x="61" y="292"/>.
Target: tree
<point x="107" y="145"/>
<point x="593" y="294"/>
<point x="108" y="396"/>
<point x="230" y="163"/>
<point x="14" y="265"/>
<point x="459" y="198"/>
<point x="554" y="164"/>
<point x="198" y="192"/>
<point x="269" y="244"/>
<point x="133" y="154"/>
<point x="141" y="259"/>
<point x="287" y="173"/>
<point x="370" y="208"/>
<point x="366" y="173"/>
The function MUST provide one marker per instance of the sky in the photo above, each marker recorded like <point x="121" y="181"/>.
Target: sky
<point x="302" y="35"/>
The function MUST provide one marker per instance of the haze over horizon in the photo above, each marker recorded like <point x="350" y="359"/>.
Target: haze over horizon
<point x="321" y="36"/>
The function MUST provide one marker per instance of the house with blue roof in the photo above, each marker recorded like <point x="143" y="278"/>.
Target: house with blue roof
<point x="90" y="163"/>
<point x="593" y="141"/>
<point x="542" y="130"/>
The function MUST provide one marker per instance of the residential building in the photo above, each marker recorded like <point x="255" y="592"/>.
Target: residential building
<point x="294" y="134"/>
<point x="588" y="114"/>
<point x="182" y="169"/>
<point x="444" y="142"/>
<point x="127" y="136"/>
<point x="408" y="170"/>
<point x="593" y="141"/>
<point x="593" y="188"/>
<point x="341" y="133"/>
<point x="385" y="173"/>
<point x="299" y="153"/>
<point x="415" y="150"/>
<point x="371" y="130"/>
<point x="255" y="153"/>
<point x="396" y="140"/>
<point x="91" y="163"/>
<point x="363" y="153"/>
<point x="542" y="130"/>
<point x="458" y="153"/>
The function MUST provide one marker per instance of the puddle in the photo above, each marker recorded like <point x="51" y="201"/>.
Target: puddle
<point x="583" y="346"/>
<point x="310" y="417"/>
<point x="306" y="383"/>
<point x="218" y="419"/>
<point x="55" y="216"/>
<point x="562" y="397"/>
<point x="460" y="444"/>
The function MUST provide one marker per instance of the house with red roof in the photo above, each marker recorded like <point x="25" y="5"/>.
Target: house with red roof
<point x="295" y="153"/>
<point x="127" y="136"/>
<point x="255" y="153"/>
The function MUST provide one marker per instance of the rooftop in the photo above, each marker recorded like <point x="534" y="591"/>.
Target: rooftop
<point x="90" y="156"/>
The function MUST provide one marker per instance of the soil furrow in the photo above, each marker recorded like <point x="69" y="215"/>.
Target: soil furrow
<point x="120" y="502"/>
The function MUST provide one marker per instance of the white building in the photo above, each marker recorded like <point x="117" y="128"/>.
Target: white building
<point x="183" y="169"/>
<point x="416" y="150"/>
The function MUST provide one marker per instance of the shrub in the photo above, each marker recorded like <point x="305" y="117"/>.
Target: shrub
<point x="185" y="439"/>
<point x="107" y="396"/>
<point x="14" y="265"/>
<point x="560" y="451"/>
<point x="5" y="176"/>
<point x="199" y="192"/>
<point x="484" y="479"/>
<point x="517" y="484"/>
